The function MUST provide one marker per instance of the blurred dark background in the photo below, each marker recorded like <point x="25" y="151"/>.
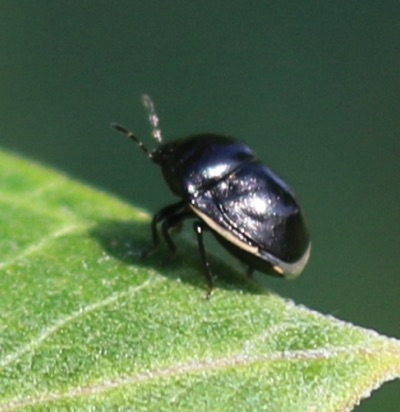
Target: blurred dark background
<point x="313" y="86"/>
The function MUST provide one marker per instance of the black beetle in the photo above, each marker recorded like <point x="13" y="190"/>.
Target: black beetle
<point x="250" y="210"/>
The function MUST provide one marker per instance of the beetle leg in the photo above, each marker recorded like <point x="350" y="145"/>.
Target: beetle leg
<point x="199" y="228"/>
<point x="161" y="215"/>
<point x="171" y="222"/>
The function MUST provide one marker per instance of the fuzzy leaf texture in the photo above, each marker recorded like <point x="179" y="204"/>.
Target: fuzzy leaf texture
<point x="86" y="324"/>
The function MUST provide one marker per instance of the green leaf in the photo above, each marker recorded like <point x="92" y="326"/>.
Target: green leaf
<point x="86" y="324"/>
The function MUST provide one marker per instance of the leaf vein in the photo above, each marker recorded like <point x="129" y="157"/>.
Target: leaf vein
<point x="207" y="365"/>
<point x="37" y="247"/>
<point x="64" y="321"/>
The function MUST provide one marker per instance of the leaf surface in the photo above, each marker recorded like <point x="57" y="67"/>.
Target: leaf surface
<point x="85" y="323"/>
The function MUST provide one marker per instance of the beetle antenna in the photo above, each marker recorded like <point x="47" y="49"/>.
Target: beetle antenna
<point x="153" y="117"/>
<point x="133" y="137"/>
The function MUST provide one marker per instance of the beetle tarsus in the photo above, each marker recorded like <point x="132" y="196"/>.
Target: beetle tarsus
<point x="210" y="293"/>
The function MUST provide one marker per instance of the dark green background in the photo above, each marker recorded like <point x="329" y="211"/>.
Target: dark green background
<point x="313" y="86"/>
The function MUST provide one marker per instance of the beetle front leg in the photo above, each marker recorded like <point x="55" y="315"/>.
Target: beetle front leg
<point x="161" y="215"/>
<point x="199" y="228"/>
<point x="170" y="223"/>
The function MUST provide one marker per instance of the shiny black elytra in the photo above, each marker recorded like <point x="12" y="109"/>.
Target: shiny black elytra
<point x="222" y="186"/>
